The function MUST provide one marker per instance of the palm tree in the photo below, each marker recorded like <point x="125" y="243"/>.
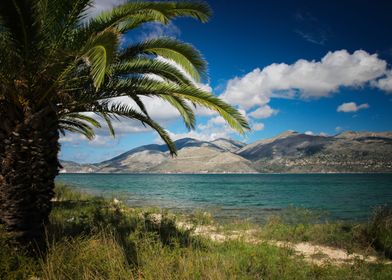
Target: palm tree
<point x="56" y="64"/>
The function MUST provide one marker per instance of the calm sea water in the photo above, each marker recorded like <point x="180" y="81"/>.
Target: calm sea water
<point x="340" y="196"/>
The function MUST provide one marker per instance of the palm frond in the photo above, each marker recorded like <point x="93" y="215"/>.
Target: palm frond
<point x="100" y="52"/>
<point x="140" y="104"/>
<point x="185" y="55"/>
<point x="79" y="116"/>
<point x="77" y="126"/>
<point x="122" y="110"/>
<point x="52" y="57"/>
<point x="148" y="87"/>
<point x="162" y="69"/>
<point x="131" y="15"/>
<point x="58" y="18"/>
<point x="108" y="121"/>
<point x="183" y="108"/>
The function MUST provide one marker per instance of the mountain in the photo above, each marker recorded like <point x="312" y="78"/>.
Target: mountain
<point x="345" y="152"/>
<point x="290" y="152"/>
<point x="73" y="167"/>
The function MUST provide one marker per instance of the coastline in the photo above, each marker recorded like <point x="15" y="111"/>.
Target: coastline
<point x="224" y="173"/>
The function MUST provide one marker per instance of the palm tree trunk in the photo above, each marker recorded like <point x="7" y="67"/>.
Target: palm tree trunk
<point x="28" y="166"/>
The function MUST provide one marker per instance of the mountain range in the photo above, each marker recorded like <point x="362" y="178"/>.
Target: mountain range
<point x="289" y="152"/>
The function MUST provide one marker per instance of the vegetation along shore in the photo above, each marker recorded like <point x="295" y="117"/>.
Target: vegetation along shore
<point x="96" y="238"/>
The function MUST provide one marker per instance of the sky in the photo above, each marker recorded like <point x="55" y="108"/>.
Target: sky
<point x="316" y="67"/>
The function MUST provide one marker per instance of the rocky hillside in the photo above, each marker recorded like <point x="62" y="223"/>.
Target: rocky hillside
<point x="290" y="152"/>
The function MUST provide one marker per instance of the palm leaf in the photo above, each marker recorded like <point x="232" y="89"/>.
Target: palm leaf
<point x="100" y="52"/>
<point x="162" y="69"/>
<point x="148" y="87"/>
<point x="184" y="109"/>
<point x="181" y="53"/>
<point x="131" y="15"/>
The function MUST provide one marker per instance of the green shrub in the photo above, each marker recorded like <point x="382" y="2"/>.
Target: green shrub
<point x="63" y="192"/>
<point x="380" y="230"/>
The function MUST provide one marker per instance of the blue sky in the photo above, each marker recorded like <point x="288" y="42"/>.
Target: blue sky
<point x="310" y="66"/>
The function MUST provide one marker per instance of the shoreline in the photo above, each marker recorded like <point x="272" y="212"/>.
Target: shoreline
<point x="224" y="173"/>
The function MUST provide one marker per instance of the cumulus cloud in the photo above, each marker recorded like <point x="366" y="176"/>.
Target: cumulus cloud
<point x="215" y="128"/>
<point x="309" y="132"/>
<point x="351" y="107"/>
<point x="385" y="83"/>
<point x="159" y="110"/>
<point x="75" y="140"/>
<point x="263" y="112"/>
<point x="305" y="79"/>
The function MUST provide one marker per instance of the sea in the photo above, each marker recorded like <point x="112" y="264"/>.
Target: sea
<point x="255" y="197"/>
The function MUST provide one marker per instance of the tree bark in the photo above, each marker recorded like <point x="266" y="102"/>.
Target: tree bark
<point x="28" y="166"/>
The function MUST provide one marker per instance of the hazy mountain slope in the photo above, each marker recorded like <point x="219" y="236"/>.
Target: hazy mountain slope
<point x="194" y="156"/>
<point x="136" y="162"/>
<point x="73" y="167"/>
<point x="288" y="144"/>
<point x="346" y="152"/>
<point x="228" y="144"/>
<point x="288" y="152"/>
<point x="203" y="160"/>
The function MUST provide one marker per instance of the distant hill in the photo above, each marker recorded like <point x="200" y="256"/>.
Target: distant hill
<point x="290" y="152"/>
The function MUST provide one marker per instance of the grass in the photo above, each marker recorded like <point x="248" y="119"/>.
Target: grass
<point x="94" y="238"/>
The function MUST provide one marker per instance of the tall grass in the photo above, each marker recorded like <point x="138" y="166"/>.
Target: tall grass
<point x="379" y="230"/>
<point x="93" y="238"/>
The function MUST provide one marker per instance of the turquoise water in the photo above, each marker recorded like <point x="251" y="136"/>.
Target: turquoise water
<point x="341" y="196"/>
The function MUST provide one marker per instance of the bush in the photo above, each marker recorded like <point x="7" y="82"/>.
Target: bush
<point x="380" y="230"/>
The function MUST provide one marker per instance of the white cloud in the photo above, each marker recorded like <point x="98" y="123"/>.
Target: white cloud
<point x="216" y="127"/>
<point x="339" y="129"/>
<point x="160" y="111"/>
<point x="304" y="78"/>
<point x="257" y="126"/>
<point x="103" y="5"/>
<point x="75" y="139"/>
<point x="309" y="132"/>
<point x="199" y="135"/>
<point x="248" y="91"/>
<point x="263" y="112"/>
<point x="153" y="30"/>
<point x="218" y="120"/>
<point x="351" y="107"/>
<point x="385" y="83"/>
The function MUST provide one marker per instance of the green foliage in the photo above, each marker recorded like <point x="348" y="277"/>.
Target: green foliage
<point x="347" y="236"/>
<point x="97" y="256"/>
<point x="200" y="217"/>
<point x="15" y="264"/>
<point x="96" y="238"/>
<point x="379" y="230"/>
<point x="51" y="56"/>
<point x="63" y="192"/>
<point x="181" y="53"/>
